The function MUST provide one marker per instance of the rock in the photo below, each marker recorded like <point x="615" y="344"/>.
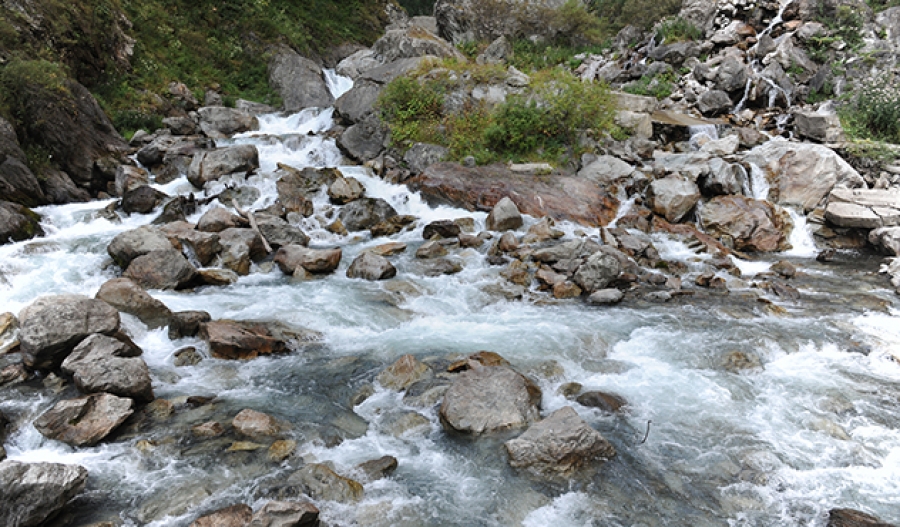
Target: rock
<point x="241" y="340"/>
<point x="298" y="81"/>
<point x="441" y="229"/>
<point x="597" y="272"/>
<point x="803" y="173"/>
<point x="281" y="450"/>
<point x="142" y="200"/>
<point x="731" y="75"/>
<point x="322" y="483"/>
<point x="605" y="297"/>
<point x="204" y="245"/>
<point x="104" y="364"/>
<point x="279" y="232"/>
<point x="853" y="518"/>
<point x="208" y="429"/>
<point x="431" y="249"/>
<point x="220" y="122"/>
<point x="186" y="323"/>
<point x="188" y="356"/>
<point x="388" y="249"/>
<point x="321" y="261"/>
<point x="359" y="102"/>
<point x="822" y="125"/>
<point x="286" y="514"/>
<point x="51" y="327"/>
<point x="60" y="189"/>
<point x="497" y="52"/>
<point x="234" y="516"/>
<point x="404" y="372"/>
<point x="413" y="41"/>
<point x="167" y="269"/>
<point x="504" y="216"/>
<point x="392" y="225"/>
<point x="210" y="165"/>
<point x="489" y="399"/>
<point x="752" y="225"/>
<point x="365" y="213"/>
<point x="18" y="223"/>
<point x="721" y="147"/>
<point x="863" y="208"/>
<point x="722" y="179"/>
<point x="380" y="468"/>
<point x="605" y="170"/>
<point x="887" y="239"/>
<point x="371" y="266"/>
<point x="562" y="198"/>
<point x="403" y="423"/>
<point x="252" y="107"/>
<point x="421" y="156"/>
<point x="181" y="125"/>
<point x="255" y="424"/>
<point x="714" y="102"/>
<point x="84" y="421"/>
<point x="128" y="245"/>
<point x="784" y="268"/>
<point x="558" y="445"/>
<point x="17" y="183"/>
<point x="239" y="248"/>
<point x="674" y="197"/>
<point x="9" y="339"/>
<point x="365" y="140"/>
<point x="32" y="493"/>
<point x="605" y="401"/>
<point x="128" y="297"/>
<point x="460" y="21"/>
<point x="358" y="63"/>
<point x="344" y="190"/>
<point x="130" y="177"/>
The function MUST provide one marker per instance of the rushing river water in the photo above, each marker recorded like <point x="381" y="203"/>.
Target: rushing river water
<point x="809" y="424"/>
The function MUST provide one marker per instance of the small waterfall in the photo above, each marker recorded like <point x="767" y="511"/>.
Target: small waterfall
<point x="740" y="105"/>
<point x="702" y="130"/>
<point x="802" y="243"/>
<point x="625" y="207"/>
<point x="337" y="84"/>
<point x="759" y="184"/>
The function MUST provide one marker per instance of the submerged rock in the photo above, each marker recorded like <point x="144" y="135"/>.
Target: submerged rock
<point x="32" y="493"/>
<point x="255" y="424"/>
<point x="488" y="399"/>
<point x="84" y="421"/>
<point x="380" y="468"/>
<point x="234" y="516"/>
<point x="322" y="483"/>
<point x="105" y="364"/>
<point x="406" y="371"/>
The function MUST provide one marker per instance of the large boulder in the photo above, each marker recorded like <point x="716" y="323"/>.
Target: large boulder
<point x="853" y="518"/>
<point x="217" y="219"/>
<point x="128" y="297"/>
<point x="345" y="189"/>
<point x="370" y="266"/>
<point x="559" y="445"/>
<point x="365" y="213"/>
<point x="605" y="170"/>
<point x="488" y="399"/>
<point x="674" y="197"/>
<point x="51" y="327"/>
<point x="821" y="125"/>
<point x="220" y="122"/>
<point x="278" y="232"/>
<point x="461" y="21"/>
<point x="128" y="245"/>
<point x="18" y="223"/>
<point x="142" y="200"/>
<point x="210" y="165"/>
<point x="422" y="155"/>
<point x="233" y="516"/>
<point x="84" y="421"/>
<point x="238" y="340"/>
<point x="204" y="246"/>
<point x="167" y="269"/>
<point x="505" y="216"/>
<point x="17" y="183"/>
<point x="802" y="174"/>
<point x="887" y="239"/>
<point x="749" y="224"/>
<point x="359" y="102"/>
<point x="239" y="248"/>
<point x="413" y="41"/>
<point x="366" y="139"/>
<point x="319" y="261"/>
<point x="600" y="269"/>
<point x="104" y="364"/>
<point x="863" y="208"/>
<point x="32" y="493"/>
<point x="298" y="81"/>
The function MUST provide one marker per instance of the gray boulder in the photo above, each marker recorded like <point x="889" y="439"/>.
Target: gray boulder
<point x="365" y="140"/>
<point x="365" y="213"/>
<point x="128" y="297"/>
<point x="210" y="165"/>
<point x="220" y="122"/>
<point x="345" y="189"/>
<point x="822" y="125"/>
<point x="18" y="223"/>
<point x="32" y="493"/>
<point x="358" y="63"/>
<point x="181" y="125"/>
<point x="51" y="327"/>
<point x="298" y="81"/>
<point x="370" y="266"/>
<point x="505" y="216"/>
<point x="278" y="232"/>
<point x="747" y="224"/>
<point x="488" y="399"/>
<point x="674" y="197"/>
<point x="217" y="219"/>
<point x="204" y="246"/>
<point x="320" y="482"/>
<point x="286" y="514"/>
<point x="17" y="183"/>
<point x="59" y="188"/>
<point x="167" y="269"/>
<point x="359" y="102"/>
<point x="605" y="170"/>
<point x="411" y="42"/>
<point x="240" y="247"/>
<point x="497" y="52"/>
<point x="130" y="177"/>
<point x="84" y="421"/>
<point x="887" y="239"/>
<point x="597" y="272"/>
<point x="731" y="75"/>
<point x="104" y="364"/>
<point x="606" y="296"/>
<point x="723" y="178"/>
<point x="863" y="208"/>
<point x="714" y="102"/>
<point x="460" y="21"/>
<point x="318" y="261"/>
<point x="421" y="155"/>
<point x="142" y="200"/>
<point x="559" y="445"/>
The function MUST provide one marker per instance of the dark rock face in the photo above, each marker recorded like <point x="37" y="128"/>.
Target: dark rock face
<point x="142" y="200"/>
<point x="299" y="81"/>
<point x="853" y="518"/>
<point x="84" y="421"/>
<point x="18" y="223"/>
<point x="365" y="140"/>
<point x="31" y="493"/>
<point x="105" y="364"/>
<point x="489" y="399"/>
<point x="562" y="198"/>
<point x="52" y="326"/>
<point x="17" y="183"/>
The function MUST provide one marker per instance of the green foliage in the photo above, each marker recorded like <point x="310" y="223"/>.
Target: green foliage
<point x="876" y="151"/>
<point x="874" y="112"/>
<point x="880" y="5"/>
<point x="529" y="56"/>
<point x="574" y="26"/>
<point x="844" y="23"/>
<point x="677" y="29"/>
<point x="418" y="7"/>
<point x="412" y="109"/>
<point x="22" y="80"/>
<point x="617" y="14"/>
<point x="659" y="86"/>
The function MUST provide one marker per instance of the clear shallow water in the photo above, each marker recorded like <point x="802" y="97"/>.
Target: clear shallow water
<point x="811" y="425"/>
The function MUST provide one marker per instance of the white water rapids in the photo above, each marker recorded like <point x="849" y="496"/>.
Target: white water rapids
<point x="810" y="426"/>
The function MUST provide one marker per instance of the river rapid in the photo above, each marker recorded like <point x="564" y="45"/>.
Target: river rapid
<point x="806" y="422"/>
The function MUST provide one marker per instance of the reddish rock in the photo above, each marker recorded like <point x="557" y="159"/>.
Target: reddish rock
<point x="752" y="225"/>
<point x="234" y="516"/>
<point x="255" y="424"/>
<point x="230" y="339"/>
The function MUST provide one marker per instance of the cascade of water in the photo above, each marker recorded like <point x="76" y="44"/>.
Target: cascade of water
<point x="759" y="184"/>
<point x="802" y="243"/>
<point x="709" y="131"/>
<point x="337" y="84"/>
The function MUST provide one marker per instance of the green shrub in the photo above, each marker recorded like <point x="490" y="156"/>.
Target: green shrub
<point x="412" y="109"/>
<point x="677" y="29"/>
<point x="874" y="112"/>
<point x="659" y="86"/>
<point x="21" y="80"/>
<point x="530" y="56"/>
<point x="617" y="14"/>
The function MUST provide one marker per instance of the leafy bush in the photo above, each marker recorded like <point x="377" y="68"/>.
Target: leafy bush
<point x="659" y="86"/>
<point x="413" y="109"/>
<point x="418" y="7"/>
<point x="677" y="29"/>
<point x="530" y="56"/>
<point x="874" y="112"/>
<point x="21" y="80"/>
<point x="617" y="14"/>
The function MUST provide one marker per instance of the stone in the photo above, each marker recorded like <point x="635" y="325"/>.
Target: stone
<point x="60" y="189"/>
<point x="752" y="225"/>
<point x="714" y="102"/>
<point x="188" y="356"/>
<point x="128" y="297"/>
<point x="239" y="340"/>
<point x="84" y="421"/>
<point x="208" y="429"/>
<point x="167" y="269"/>
<point x="404" y="372"/>
<point x="542" y="231"/>
<point x="504" y="216"/>
<point x="217" y="277"/>
<point x="370" y="266"/>
<point x="210" y="165"/>
<point x="607" y="402"/>
<point x="489" y="399"/>
<point x="233" y="516"/>
<point x="497" y="52"/>
<point x="358" y="63"/>
<point x="51" y="327"/>
<point x="286" y="514"/>
<point x="344" y="190"/>
<point x="298" y="80"/>
<point x="279" y="233"/>
<point x="255" y="424"/>
<point x="9" y="339"/>
<point x="181" y="125"/>
<point x="176" y="210"/>
<point x="421" y="156"/>
<point x="887" y="239"/>
<point x="784" y="268"/>
<point x="431" y="249"/>
<point x="722" y="179"/>
<point x="413" y="41"/>
<point x="239" y="248"/>
<point x="508" y="242"/>
<point x="566" y="289"/>
<point x="128" y="245"/>
<point x="559" y="445"/>
<point x="380" y="468"/>
<point x="142" y="200"/>
<point x="460" y="21"/>
<point x="606" y="297"/>
<point x="220" y="122"/>
<point x="441" y="229"/>
<point x="365" y="213"/>
<point x="597" y="272"/>
<point x="731" y="75"/>
<point x="725" y="146"/>
<point x="102" y="364"/>
<point x="863" y="208"/>
<point x="358" y="103"/>
<point x="186" y="323"/>
<point x="388" y="249"/>
<point x="853" y="518"/>
<point x="822" y="125"/>
<point x="130" y="177"/>
<point x="204" y="246"/>
<point x="320" y="482"/>
<point x="365" y="140"/>
<point x="317" y="261"/>
<point x="33" y="493"/>
<point x="606" y="170"/>
<point x="281" y="450"/>
<point x="392" y="225"/>
<point x="674" y="197"/>
<point x="399" y="424"/>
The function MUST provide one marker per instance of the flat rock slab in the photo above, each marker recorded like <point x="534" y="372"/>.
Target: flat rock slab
<point x="560" y="444"/>
<point x="230" y="339"/>
<point x="489" y="399"/>
<point x="863" y="208"/>
<point x="30" y="493"/>
<point x="86" y="420"/>
<point x="286" y="514"/>
<point x="563" y="198"/>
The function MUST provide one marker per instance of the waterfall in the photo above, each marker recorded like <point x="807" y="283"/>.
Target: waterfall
<point x="802" y="243"/>
<point x="759" y="184"/>
<point x="702" y="130"/>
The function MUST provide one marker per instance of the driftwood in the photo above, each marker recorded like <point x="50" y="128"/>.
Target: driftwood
<point x="248" y="215"/>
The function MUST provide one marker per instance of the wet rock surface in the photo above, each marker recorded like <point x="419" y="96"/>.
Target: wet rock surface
<point x="489" y="399"/>
<point x="32" y="493"/>
<point x="84" y="421"/>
